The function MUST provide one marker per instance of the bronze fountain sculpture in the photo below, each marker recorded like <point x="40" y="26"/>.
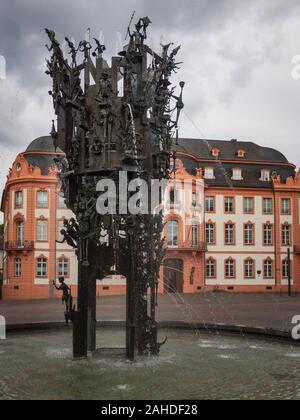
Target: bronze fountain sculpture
<point x="104" y="127"/>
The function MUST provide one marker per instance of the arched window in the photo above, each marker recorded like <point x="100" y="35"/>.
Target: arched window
<point x="41" y="267"/>
<point x="268" y="234"/>
<point x="268" y="269"/>
<point x="286" y="235"/>
<point x="211" y="268"/>
<point x="249" y="233"/>
<point x="173" y="233"/>
<point x="210" y="233"/>
<point x="249" y="269"/>
<point x="286" y="269"/>
<point x="230" y="268"/>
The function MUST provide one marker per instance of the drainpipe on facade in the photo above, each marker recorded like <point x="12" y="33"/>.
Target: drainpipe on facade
<point x="55" y="252"/>
<point x="275" y="233"/>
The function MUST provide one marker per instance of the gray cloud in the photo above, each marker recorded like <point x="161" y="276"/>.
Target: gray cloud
<point x="236" y="55"/>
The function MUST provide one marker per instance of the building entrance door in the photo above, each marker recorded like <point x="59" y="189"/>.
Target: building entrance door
<point x="173" y="276"/>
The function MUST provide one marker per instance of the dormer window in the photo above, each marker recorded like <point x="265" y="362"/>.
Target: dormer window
<point x="237" y="174"/>
<point x="209" y="173"/>
<point x="241" y="153"/>
<point x="265" y="175"/>
<point x="215" y="152"/>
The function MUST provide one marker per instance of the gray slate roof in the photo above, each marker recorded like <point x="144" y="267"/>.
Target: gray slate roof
<point x="228" y="149"/>
<point x="43" y="161"/>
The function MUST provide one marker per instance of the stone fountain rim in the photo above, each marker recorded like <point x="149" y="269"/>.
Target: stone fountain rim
<point x="261" y="332"/>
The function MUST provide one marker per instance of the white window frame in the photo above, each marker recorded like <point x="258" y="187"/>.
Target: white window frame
<point x="20" y="233"/>
<point x="268" y="234"/>
<point x="265" y="175"/>
<point x="19" y="199"/>
<point x="210" y="204"/>
<point x="210" y="232"/>
<point x="42" y="199"/>
<point x="18" y="267"/>
<point x="286" y="235"/>
<point x="267" y="209"/>
<point x="228" y="203"/>
<point x="42" y="230"/>
<point x="249" y="234"/>
<point x="268" y="269"/>
<point x="229" y="234"/>
<point x="209" y="173"/>
<point x="285" y="208"/>
<point x="210" y="268"/>
<point x="248" y="210"/>
<point x="63" y="267"/>
<point x="237" y="174"/>
<point x="41" y="267"/>
<point x="249" y="269"/>
<point x="230" y="269"/>
<point x="173" y="232"/>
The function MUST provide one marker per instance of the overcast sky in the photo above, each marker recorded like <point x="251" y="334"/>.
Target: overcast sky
<point x="237" y="64"/>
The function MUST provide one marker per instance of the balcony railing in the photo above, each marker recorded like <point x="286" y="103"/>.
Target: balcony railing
<point x="19" y="245"/>
<point x="187" y="245"/>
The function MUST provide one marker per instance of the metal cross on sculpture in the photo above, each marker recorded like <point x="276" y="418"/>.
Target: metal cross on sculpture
<point x="118" y="119"/>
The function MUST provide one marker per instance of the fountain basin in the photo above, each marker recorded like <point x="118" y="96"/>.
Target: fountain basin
<point x="192" y="365"/>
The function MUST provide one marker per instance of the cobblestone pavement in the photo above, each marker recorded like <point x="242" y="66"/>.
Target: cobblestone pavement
<point x="251" y="310"/>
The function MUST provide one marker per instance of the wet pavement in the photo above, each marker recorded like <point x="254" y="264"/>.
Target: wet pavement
<point x="251" y="310"/>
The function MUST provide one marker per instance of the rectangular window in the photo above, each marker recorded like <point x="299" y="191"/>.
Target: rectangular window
<point x="229" y="269"/>
<point x="20" y="234"/>
<point x="173" y="233"/>
<point x="248" y="205"/>
<point x="286" y="235"/>
<point x="249" y="269"/>
<point x="194" y="234"/>
<point x="229" y="205"/>
<point x="195" y="201"/>
<point x="209" y="173"/>
<point x="249" y="234"/>
<point x="210" y="234"/>
<point x="268" y="234"/>
<point x="237" y="175"/>
<point x="211" y="268"/>
<point x="265" y="175"/>
<point x="41" y="268"/>
<point x="42" y="230"/>
<point x="268" y="269"/>
<point x="285" y="206"/>
<point x="61" y="201"/>
<point x="63" y="267"/>
<point x="42" y="199"/>
<point x="229" y="234"/>
<point x="267" y="206"/>
<point x="18" y="267"/>
<point x="210" y="204"/>
<point x="18" y="199"/>
<point x="285" y="269"/>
